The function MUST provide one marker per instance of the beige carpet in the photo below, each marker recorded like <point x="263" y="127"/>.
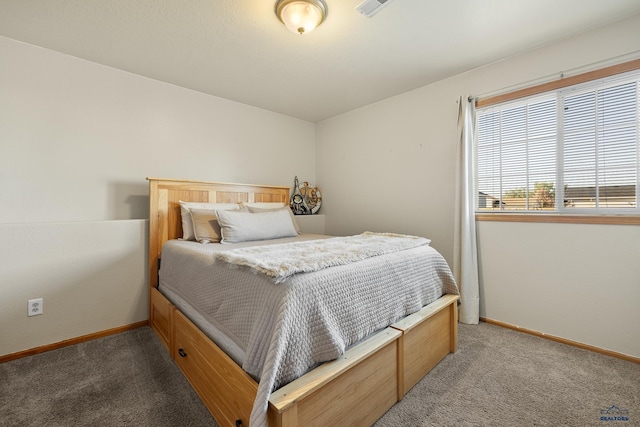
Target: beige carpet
<point x="497" y="378"/>
<point x="501" y="377"/>
<point x="121" y="380"/>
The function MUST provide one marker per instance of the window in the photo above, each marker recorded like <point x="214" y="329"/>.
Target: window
<point x="574" y="149"/>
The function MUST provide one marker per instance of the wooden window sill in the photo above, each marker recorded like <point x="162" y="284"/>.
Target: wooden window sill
<point x="561" y="218"/>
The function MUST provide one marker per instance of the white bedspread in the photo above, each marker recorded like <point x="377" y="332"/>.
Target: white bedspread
<point x="287" y="328"/>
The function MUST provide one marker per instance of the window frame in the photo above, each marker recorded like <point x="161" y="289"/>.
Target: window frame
<point x="564" y="84"/>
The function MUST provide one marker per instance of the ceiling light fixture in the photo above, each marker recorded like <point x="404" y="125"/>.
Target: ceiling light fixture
<point x="301" y="16"/>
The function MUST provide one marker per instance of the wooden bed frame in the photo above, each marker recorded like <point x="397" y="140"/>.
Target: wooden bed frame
<point x="356" y="389"/>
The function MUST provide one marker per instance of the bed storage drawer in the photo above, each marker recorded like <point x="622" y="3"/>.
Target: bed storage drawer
<point x="213" y="375"/>
<point x="354" y="390"/>
<point x="427" y="337"/>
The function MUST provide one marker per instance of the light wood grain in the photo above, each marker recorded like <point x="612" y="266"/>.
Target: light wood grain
<point x="427" y="337"/>
<point x="560" y="83"/>
<point x="161" y="318"/>
<point x="561" y="218"/>
<point x="355" y="389"/>
<point x="226" y="390"/>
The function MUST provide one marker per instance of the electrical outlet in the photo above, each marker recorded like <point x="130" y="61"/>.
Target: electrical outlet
<point x="35" y="307"/>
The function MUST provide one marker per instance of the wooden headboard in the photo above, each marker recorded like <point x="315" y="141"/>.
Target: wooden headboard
<point x="165" y="222"/>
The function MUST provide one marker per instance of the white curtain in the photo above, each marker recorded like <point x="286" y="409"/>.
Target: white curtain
<point x="465" y="259"/>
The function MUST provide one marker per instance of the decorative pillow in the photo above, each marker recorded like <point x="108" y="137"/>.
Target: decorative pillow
<point x="254" y="209"/>
<point x="187" y="224"/>
<point x="205" y="225"/>
<point x="244" y="226"/>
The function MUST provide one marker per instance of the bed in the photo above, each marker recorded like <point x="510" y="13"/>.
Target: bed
<point x="355" y="389"/>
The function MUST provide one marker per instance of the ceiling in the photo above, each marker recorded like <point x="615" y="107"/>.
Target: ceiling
<point x="237" y="49"/>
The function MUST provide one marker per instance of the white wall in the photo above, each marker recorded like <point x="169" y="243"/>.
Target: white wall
<point x="390" y="166"/>
<point x="577" y="281"/>
<point x="77" y="141"/>
<point x="90" y="274"/>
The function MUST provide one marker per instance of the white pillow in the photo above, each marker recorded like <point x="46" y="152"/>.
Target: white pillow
<point x="256" y="209"/>
<point x="187" y="222"/>
<point x="243" y="226"/>
<point x="264" y="205"/>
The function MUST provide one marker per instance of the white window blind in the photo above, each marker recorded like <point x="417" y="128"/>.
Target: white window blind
<point x="575" y="149"/>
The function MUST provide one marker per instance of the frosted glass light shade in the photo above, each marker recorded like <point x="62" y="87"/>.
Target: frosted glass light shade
<point x="301" y="16"/>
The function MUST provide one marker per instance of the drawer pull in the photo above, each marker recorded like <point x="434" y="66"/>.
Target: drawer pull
<point x="182" y="353"/>
<point x="238" y="423"/>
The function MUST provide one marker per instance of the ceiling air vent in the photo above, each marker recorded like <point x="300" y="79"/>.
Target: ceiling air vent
<point x="370" y="7"/>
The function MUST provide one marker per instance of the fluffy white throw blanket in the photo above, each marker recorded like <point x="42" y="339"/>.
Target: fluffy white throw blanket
<point x="281" y="261"/>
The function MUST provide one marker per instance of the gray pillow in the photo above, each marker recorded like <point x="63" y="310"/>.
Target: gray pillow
<point x="253" y="209"/>
<point x="238" y="226"/>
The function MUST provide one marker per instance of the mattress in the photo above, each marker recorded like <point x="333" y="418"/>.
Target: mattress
<point x="279" y="331"/>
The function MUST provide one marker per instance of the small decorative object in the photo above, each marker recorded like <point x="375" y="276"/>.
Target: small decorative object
<point x="306" y="200"/>
<point x="298" y="203"/>
<point x="312" y="197"/>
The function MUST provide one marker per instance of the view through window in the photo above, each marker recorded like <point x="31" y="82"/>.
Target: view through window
<point x="575" y="149"/>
